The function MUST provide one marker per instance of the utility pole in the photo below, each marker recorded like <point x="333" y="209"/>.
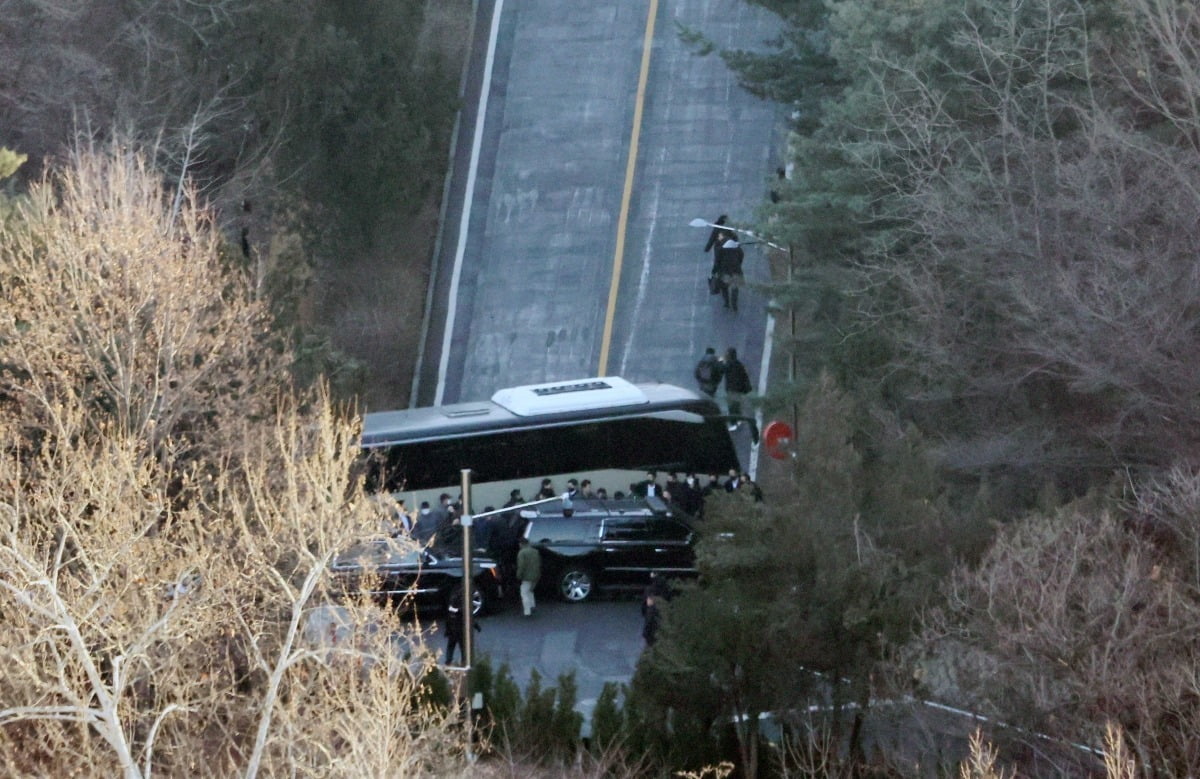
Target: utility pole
<point x="468" y="587"/>
<point x="468" y="639"/>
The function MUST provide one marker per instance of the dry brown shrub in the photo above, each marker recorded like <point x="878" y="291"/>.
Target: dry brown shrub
<point x="147" y="632"/>
<point x="1068" y="623"/>
<point x="118" y="298"/>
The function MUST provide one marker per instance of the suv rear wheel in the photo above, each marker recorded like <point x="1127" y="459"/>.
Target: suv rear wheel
<point x="576" y="584"/>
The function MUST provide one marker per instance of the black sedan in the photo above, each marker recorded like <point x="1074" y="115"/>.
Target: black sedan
<point x="412" y="578"/>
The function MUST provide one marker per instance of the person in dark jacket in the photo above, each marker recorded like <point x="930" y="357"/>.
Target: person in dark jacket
<point x="691" y="499"/>
<point x="545" y="491"/>
<point x="455" y="627"/>
<point x="426" y="524"/>
<point x="737" y="384"/>
<point x="514" y="498"/>
<point x="708" y="372"/>
<point x="673" y="489"/>
<point x="716" y="237"/>
<point x="656" y="588"/>
<point x="713" y="236"/>
<point x="647" y="487"/>
<point x="650" y="620"/>
<point x="727" y="266"/>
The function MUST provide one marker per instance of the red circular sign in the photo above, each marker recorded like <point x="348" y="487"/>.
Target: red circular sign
<point x="777" y="437"/>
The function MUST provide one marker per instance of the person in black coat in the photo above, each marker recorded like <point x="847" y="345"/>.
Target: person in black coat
<point x="655" y="593"/>
<point x="546" y="491"/>
<point x="455" y="627"/>
<point x="691" y="499"/>
<point x="737" y="384"/>
<point x="647" y="487"/>
<point x="708" y="372"/>
<point x="716" y="231"/>
<point x="728" y="256"/>
<point x="650" y="620"/>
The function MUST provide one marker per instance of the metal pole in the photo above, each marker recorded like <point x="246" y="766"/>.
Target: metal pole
<point x="739" y="230"/>
<point x="468" y="572"/>
<point x="792" y="343"/>
<point x="468" y="638"/>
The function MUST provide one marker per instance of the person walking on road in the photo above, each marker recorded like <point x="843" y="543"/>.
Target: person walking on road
<point x="711" y="243"/>
<point x="655" y="593"/>
<point x="728" y="258"/>
<point x="716" y="238"/>
<point x="455" y="627"/>
<point x="529" y="570"/>
<point x="708" y="372"/>
<point x="737" y="384"/>
<point x="650" y="620"/>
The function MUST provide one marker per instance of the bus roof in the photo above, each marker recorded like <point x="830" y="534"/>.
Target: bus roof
<point x="533" y="405"/>
<point x="565" y="396"/>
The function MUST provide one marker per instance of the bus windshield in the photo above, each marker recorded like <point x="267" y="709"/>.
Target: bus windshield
<point x="607" y="430"/>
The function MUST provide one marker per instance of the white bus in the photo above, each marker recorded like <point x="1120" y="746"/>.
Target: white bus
<point x="608" y="430"/>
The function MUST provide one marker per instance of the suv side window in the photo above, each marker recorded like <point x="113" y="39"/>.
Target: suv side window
<point x="662" y="529"/>
<point x="626" y="529"/>
<point x="557" y="531"/>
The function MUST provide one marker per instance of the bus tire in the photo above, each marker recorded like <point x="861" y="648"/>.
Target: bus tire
<point x="576" y="584"/>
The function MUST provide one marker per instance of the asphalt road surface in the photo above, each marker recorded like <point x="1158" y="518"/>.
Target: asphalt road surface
<point x="544" y="207"/>
<point x="598" y="641"/>
<point x="566" y="249"/>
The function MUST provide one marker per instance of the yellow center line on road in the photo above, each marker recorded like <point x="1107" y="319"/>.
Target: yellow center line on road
<point x="627" y="192"/>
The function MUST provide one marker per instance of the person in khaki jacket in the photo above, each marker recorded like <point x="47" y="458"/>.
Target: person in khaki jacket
<point x="529" y="570"/>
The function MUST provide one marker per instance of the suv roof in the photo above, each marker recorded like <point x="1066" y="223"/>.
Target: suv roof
<point x="593" y="508"/>
<point x="549" y="523"/>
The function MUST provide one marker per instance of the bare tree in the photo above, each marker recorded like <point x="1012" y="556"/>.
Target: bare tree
<point x="1070" y="622"/>
<point x="118" y="298"/>
<point x="170" y="513"/>
<point x="181" y="638"/>
<point x="1042" y="168"/>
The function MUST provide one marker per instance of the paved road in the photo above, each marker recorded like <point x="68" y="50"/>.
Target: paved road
<point x="521" y="289"/>
<point x="600" y="642"/>
<point x="529" y="239"/>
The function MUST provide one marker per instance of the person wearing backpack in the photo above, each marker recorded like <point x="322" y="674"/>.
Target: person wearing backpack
<point x="708" y="372"/>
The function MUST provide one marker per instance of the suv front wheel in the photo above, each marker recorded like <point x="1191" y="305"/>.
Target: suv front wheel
<point x="479" y="600"/>
<point x="575" y="584"/>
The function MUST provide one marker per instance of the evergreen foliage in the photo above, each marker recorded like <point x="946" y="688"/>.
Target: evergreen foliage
<point x="607" y="720"/>
<point x="970" y="199"/>
<point x="812" y="588"/>
<point x="990" y="211"/>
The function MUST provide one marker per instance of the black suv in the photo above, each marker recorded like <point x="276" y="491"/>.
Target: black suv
<point x="609" y="543"/>
<point x="414" y="578"/>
